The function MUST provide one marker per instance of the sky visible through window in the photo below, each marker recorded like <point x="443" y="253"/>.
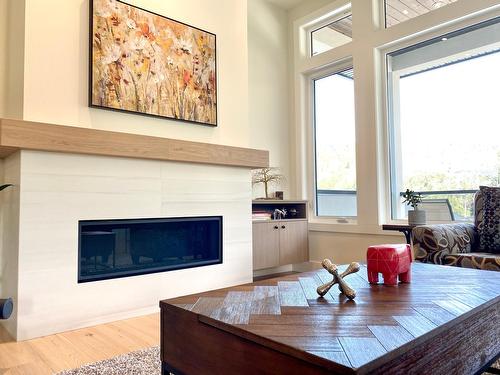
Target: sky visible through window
<point x="335" y="133"/>
<point x="450" y="126"/>
<point x="450" y="132"/>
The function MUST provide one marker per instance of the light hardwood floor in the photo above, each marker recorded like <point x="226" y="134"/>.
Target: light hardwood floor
<point x="51" y="354"/>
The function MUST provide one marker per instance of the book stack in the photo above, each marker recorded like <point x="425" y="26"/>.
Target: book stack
<point x="261" y="215"/>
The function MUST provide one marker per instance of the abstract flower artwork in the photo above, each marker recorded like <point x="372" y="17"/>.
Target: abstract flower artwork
<point x="145" y="63"/>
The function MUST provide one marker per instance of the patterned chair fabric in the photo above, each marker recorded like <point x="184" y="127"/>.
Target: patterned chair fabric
<point x="455" y="244"/>
<point x="487" y="208"/>
<point x="432" y="242"/>
<point x="482" y="261"/>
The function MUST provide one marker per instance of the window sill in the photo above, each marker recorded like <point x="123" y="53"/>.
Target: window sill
<point x="353" y="227"/>
<point x="402" y="222"/>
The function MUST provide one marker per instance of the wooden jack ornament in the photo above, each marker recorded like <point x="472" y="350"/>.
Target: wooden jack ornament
<point x="338" y="279"/>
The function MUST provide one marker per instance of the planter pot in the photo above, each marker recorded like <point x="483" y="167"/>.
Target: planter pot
<point x="416" y="217"/>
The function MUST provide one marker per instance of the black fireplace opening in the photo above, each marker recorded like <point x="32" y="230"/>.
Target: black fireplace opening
<point x="118" y="248"/>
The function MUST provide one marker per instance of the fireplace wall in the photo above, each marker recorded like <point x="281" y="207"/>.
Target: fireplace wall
<point x="57" y="190"/>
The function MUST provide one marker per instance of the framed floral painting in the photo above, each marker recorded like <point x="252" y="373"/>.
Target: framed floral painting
<point x="145" y="63"/>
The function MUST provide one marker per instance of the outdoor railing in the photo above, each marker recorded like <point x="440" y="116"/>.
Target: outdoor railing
<point x="343" y="202"/>
<point x="443" y="192"/>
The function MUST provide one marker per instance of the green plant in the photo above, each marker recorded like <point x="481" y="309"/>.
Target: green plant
<point x="411" y="198"/>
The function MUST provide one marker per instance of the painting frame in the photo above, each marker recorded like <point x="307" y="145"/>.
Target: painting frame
<point x="91" y="77"/>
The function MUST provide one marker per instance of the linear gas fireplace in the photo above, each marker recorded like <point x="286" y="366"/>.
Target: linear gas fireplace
<point x="118" y="248"/>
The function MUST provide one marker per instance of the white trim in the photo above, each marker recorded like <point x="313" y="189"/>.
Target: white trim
<point x="330" y="70"/>
<point x="449" y="18"/>
<point x="351" y="228"/>
<point x="371" y="42"/>
<point x="320" y="18"/>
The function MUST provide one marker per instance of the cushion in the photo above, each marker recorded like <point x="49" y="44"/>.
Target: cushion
<point x="488" y="218"/>
<point x="481" y="261"/>
<point x="434" y="241"/>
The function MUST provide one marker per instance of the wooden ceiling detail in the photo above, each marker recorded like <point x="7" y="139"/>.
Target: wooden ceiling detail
<point x="343" y="26"/>
<point x="402" y="10"/>
<point x="397" y="11"/>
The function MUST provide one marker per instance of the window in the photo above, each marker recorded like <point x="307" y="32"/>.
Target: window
<point x="444" y="129"/>
<point x="335" y="145"/>
<point x="332" y="35"/>
<point x="397" y="11"/>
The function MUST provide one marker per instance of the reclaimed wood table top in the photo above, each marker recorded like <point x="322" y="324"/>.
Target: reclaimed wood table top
<point x="444" y="315"/>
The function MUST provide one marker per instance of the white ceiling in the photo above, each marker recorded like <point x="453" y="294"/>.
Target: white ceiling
<point x="287" y="4"/>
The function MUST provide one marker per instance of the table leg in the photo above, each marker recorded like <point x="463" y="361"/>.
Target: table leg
<point x="407" y="234"/>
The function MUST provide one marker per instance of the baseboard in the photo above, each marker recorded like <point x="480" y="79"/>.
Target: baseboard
<point x="22" y="336"/>
<point x="299" y="267"/>
<point x="273" y="271"/>
<point x="306" y="266"/>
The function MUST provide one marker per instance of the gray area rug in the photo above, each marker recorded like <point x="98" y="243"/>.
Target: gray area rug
<point x="141" y="362"/>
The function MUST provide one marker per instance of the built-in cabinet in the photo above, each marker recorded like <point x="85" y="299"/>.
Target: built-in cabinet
<point x="279" y="241"/>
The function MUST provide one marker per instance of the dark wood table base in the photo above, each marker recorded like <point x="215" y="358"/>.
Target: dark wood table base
<point x="488" y="368"/>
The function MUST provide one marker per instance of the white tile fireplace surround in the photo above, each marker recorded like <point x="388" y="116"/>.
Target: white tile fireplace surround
<point x="55" y="190"/>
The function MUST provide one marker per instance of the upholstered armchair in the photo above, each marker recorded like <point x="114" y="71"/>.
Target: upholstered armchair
<point x="459" y="244"/>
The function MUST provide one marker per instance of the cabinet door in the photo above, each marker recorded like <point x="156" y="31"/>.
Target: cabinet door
<point x="293" y="242"/>
<point x="265" y="245"/>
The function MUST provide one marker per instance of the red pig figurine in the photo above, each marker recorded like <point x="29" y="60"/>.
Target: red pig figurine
<point x="392" y="261"/>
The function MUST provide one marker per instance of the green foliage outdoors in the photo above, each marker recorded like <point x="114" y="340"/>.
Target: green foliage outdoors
<point x="336" y="168"/>
<point x="336" y="171"/>
<point x="462" y="204"/>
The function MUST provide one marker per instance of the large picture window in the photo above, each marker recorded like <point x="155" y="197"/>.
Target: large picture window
<point x="444" y="121"/>
<point x="335" y="145"/>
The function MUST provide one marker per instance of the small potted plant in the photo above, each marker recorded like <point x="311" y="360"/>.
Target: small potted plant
<point x="415" y="216"/>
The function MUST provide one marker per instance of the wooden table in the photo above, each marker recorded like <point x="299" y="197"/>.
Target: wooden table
<point x="447" y="321"/>
<point x="403" y="228"/>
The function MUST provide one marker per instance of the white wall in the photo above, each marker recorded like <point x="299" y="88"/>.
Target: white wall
<point x="11" y="58"/>
<point x="56" y="69"/>
<point x="305" y="8"/>
<point x="345" y="247"/>
<point x="3" y="55"/>
<point x="58" y="190"/>
<point x="268" y="86"/>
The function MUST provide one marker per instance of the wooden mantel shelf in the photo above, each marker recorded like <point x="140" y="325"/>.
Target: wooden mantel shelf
<point x="18" y="135"/>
